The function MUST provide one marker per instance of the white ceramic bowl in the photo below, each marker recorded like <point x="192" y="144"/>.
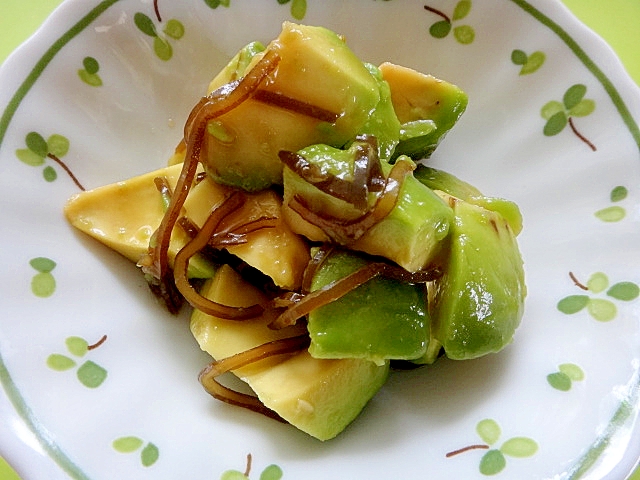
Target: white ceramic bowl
<point x="560" y="402"/>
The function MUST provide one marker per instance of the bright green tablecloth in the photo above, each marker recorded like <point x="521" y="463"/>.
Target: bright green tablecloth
<point x="617" y="21"/>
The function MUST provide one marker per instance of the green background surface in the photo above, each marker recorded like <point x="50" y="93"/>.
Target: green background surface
<point x="616" y="21"/>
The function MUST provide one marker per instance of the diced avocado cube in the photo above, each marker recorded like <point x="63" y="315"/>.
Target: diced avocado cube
<point x="410" y="235"/>
<point x="427" y="108"/>
<point x="380" y="320"/>
<point x="316" y="70"/>
<point x="124" y="216"/>
<point x="479" y="301"/>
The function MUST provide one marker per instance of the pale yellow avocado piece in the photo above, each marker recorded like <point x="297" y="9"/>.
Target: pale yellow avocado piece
<point x="222" y="338"/>
<point x="320" y="397"/>
<point x="125" y="214"/>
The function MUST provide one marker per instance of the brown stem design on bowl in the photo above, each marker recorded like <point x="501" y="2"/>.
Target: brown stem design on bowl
<point x="66" y="169"/>
<point x="438" y="12"/>
<point x="580" y="136"/>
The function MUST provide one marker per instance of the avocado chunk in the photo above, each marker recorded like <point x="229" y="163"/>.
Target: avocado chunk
<point x="478" y="302"/>
<point x="426" y="107"/>
<point x="410" y="235"/>
<point x="320" y="92"/>
<point x="275" y="251"/>
<point x="382" y="319"/>
<point x="124" y="216"/>
<point x="448" y="183"/>
<point x="318" y="396"/>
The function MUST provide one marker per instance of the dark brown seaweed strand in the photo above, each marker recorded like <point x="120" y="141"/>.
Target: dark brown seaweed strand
<point x="577" y="282"/>
<point x="314" y="264"/>
<point x="209" y="374"/>
<point x="208" y="108"/>
<point x="437" y="12"/>
<point x="66" y="169"/>
<point x="282" y="101"/>
<point x="98" y="343"/>
<point x="580" y="136"/>
<point x="195" y="245"/>
<point x="466" y="449"/>
<point x="348" y="231"/>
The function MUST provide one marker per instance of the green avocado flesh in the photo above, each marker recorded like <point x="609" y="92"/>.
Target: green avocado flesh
<point x="380" y="320"/>
<point x="479" y="301"/>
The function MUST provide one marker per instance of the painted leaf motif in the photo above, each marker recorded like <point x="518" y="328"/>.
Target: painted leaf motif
<point x="91" y="65"/>
<point x="145" y="24"/>
<point x="573" y="304"/>
<point x="127" y="444"/>
<point x="582" y="109"/>
<point x="598" y="282"/>
<point x="174" y="29"/>
<point x="625" y="291"/>
<point x="233" y="475"/>
<point x="559" y="381"/>
<point x="37" y="144"/>
<point x="58" y="145"/>
<point x="91" y="375"/>
<point x="60" y="362"/>
<point x="611" y="214"/>
<point x="440" y="29"/>
<point x="77" y="346"/>
<point x="163" y="49"/>
<point x="43" y="284"/>
<point x="462" y="9"/>
<point x="42" y="264"/>
<point x="619" y="193"/>
<point x="602" y="310"/>
<point x="272" y="472"/>
<point x="519" y="57"/>
<point x="29" y="157"/>
<point x="149" y="454"/>
<point x="489" y="431"/>
<point x="573" y="371"/>
<point x="519" y="447"/>
<point x="49" y="173"/>
<point x="465" y="34"/>
<point x="91" y="79"/>
<point x="574" y="95"/>
<point x="298" y="9"/>
<point x="555" y="124"/>
<point x="551" y="108"/>
<point x="492" y="462"/>
<point x="217" y="3"/>
<point x="533" y="63"/>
